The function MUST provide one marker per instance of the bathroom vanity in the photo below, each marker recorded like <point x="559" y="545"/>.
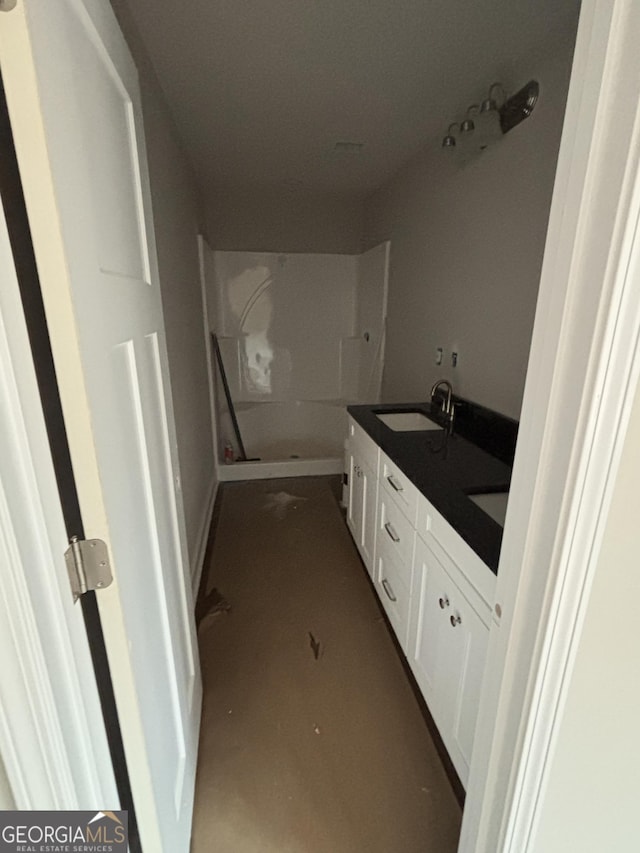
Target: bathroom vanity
<point x="423" y="507"/>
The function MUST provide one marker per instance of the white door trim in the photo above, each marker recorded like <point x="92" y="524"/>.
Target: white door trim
<point x="583" y="371"/>
<point x="198" y="566"/>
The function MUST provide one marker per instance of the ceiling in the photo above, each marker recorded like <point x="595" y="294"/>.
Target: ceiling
<point x="261" y="90"/>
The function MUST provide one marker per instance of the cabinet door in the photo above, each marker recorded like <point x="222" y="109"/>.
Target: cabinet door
<point x="354" y="508"/>
<point x="446" y="651"/>
<point x="429" y="604"/>
<point x="361" y="509"/>
<point x="465" y="650"/>
<point x="369" y="494"/>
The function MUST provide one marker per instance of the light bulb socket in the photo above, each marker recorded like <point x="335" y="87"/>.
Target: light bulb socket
<point x="488" y="106"/>
<point x="449" y="140"/>
<point x="467" y="125"/>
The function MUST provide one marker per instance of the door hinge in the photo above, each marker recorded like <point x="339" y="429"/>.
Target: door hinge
<point x="88" y="565"/>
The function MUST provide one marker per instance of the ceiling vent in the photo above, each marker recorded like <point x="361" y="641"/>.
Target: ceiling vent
<point x="348" y="147"/>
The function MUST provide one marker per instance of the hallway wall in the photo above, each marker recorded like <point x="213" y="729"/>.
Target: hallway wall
<point x="178" y="218"/>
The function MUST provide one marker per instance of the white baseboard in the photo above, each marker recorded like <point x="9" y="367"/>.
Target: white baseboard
<point x="285" y="468"/>
<point x="197" y="563"/>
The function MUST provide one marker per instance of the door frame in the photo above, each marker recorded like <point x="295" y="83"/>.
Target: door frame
<point x="203" y="249"/>
<point x="583" y="374"/>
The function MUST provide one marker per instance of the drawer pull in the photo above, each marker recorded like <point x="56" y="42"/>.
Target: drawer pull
<point x="394" y="483"/>
<point x="387" y="588"/>
<point x="391" y="532"/>
<point x="443" y="602"/>
<point x="455" y="620"/>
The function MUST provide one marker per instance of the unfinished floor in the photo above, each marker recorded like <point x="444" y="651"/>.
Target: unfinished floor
<point x="298" y="754"/>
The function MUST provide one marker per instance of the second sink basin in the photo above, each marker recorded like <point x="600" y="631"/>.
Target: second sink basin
<point x="493" y="503"/>
<point x="407" y="421"/>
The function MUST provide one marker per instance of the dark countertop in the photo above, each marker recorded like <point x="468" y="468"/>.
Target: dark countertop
<point x="445" y="469"/>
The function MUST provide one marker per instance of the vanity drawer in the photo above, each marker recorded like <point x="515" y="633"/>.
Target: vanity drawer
<point x="394" y="594"/>
<point x="401" y="489"/>
<point x="395" y="534"/>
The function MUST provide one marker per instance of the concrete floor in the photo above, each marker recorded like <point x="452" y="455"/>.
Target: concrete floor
<point x="298" y="754"/>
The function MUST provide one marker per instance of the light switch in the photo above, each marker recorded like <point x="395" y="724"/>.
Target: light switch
<point x="439" y="353"/>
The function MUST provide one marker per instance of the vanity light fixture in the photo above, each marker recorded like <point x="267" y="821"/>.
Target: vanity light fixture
<point x="494" y="117"/>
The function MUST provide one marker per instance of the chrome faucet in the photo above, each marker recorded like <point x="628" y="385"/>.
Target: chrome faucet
<point x="446" y="403"/>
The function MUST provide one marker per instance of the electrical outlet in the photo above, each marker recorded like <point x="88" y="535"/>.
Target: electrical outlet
<point x="454" y="359"/>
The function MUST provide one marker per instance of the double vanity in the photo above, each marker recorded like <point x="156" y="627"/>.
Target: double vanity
<point x="425" y="506"/>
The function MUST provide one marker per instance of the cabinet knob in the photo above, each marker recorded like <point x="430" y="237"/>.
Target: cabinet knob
<point x="443" y="602"/>
<point x="455" y="620"/>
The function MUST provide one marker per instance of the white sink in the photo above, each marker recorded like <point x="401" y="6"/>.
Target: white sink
<point x="407" y="421"/>
<point x="493" y="503"/>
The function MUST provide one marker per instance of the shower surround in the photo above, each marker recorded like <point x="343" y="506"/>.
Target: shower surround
<point x="301" y="337"/>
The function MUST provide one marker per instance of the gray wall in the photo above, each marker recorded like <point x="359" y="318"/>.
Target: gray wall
<point x="283" y="221"/>
<point x="178" y="217"/>
<point x="466" y="252"/>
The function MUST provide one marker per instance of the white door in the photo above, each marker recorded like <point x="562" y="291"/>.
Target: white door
<point x="74" y="103"/>
<point x="53" y="743"/>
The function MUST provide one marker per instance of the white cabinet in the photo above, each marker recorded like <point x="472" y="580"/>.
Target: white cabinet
<point x="362" y="456"/>
<point x="434" y="588"/>
<point x="447" y="646"/>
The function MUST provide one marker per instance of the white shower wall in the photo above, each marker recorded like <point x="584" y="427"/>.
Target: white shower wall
<point x="282" y="318"/>
<point x="371" y="315"/>
<point x="298" y="328"/>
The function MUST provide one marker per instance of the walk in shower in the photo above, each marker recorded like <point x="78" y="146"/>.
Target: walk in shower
<point x="301" y="336"/>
